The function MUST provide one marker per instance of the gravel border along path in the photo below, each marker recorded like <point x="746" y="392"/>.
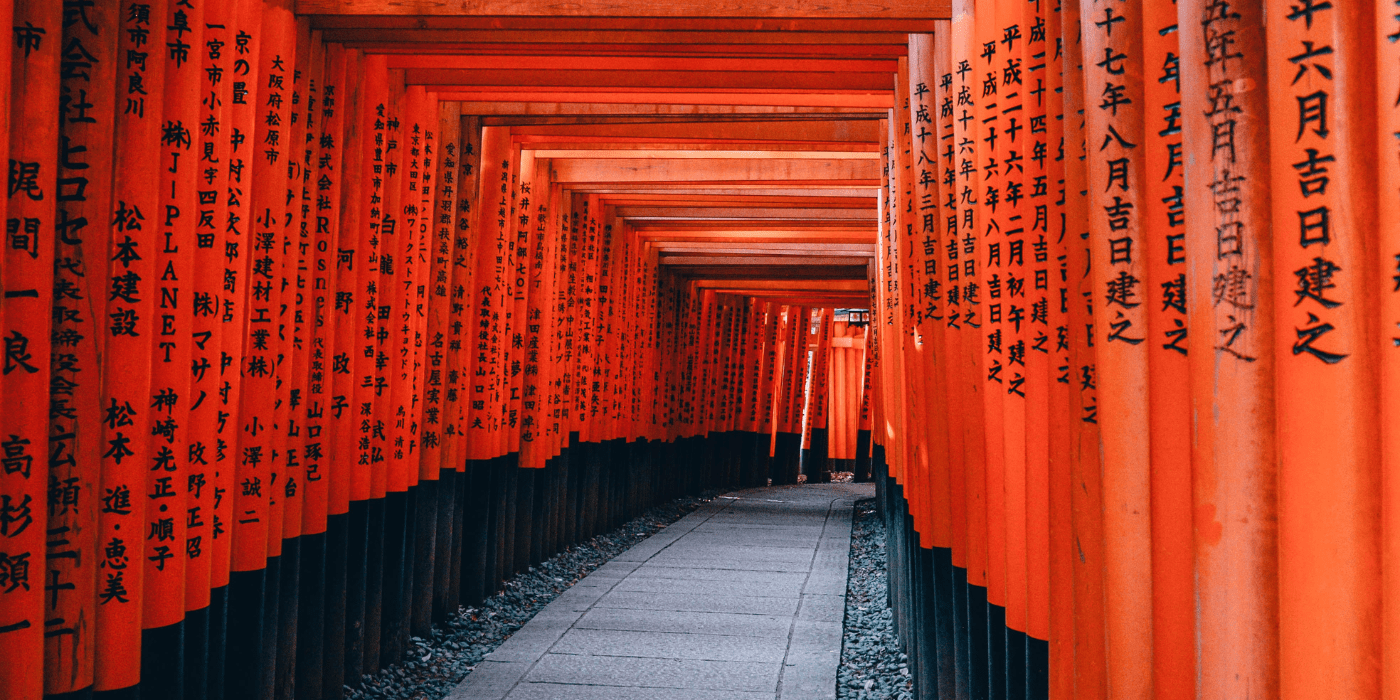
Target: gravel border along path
<point x="438" y="664"/>
<point x="872" y="667"/>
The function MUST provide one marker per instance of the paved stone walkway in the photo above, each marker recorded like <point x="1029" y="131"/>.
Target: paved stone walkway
<point x="740" y="600"/>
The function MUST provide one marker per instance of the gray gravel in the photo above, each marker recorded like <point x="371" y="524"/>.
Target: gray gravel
<point x="438" y="664"/>
<point x="872" y="666"/>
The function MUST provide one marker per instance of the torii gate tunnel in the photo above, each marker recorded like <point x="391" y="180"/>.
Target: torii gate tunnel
<point x="323" y="317"/>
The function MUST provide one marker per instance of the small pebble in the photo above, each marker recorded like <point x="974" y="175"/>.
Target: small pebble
<point x="872" y="666"/>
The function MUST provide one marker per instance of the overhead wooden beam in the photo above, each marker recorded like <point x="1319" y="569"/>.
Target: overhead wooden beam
<point x="815" y="300"/>
<point x="760" y="285"/>
<point x="611" y="193"/>
<point x="766" y="261"/>
<point x="736" y="229"/>
<point x="416" y="43"/>
<point x="777" y="129"/>
<point x="765" y="249"/>
<point x="782" y="81"/>
<point x="849" y="272"/>
<point x="685" y="64"/>
<point x="741" y="213"/>
<point x="374" y="32"/>
<point x="703" y="198"/>
<point x="833" y="172"/>
<point x="552" y="149"/>
<point x="774" y="14"/>
<point x="862" y="103"/>
<point x="514" y="112"/>
<point x="679" y="153"/>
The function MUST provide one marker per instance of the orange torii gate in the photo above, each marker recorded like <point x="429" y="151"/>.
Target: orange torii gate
<point x="454" y="292"/>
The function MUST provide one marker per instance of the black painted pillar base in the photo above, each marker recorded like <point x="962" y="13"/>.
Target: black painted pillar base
<point x="197" y="654"/>
<point x="289" y="615"/>
<point x="1015" y="664"/>
<point x="374" y="587"/>
<point x="477" y="495"/>
<point x="996" y="651"/>
<point x="218" y="642"/>
<point x="272" y="607"/>
<point x="786" y="458"/>
<point x="444" y="533"/>
<point x="979" y="642"/>
<point x="334" y="616"/>
<point x="459" y="542"/>
<point x="962" y="636"/>
<point x="862" y="462"/>
<point x="1037" y="669"/>
<point x="163" y="662"/>
<point x="243" y="660"/>
<point x="82" y="694"/>
<point x="311" y="619"/>
<point x="356" y="595"/>
<point x="942" y="621"/>
<point x="423" y="547"/>
<point x="132" y="693"/>
<point x="820" y="470"/>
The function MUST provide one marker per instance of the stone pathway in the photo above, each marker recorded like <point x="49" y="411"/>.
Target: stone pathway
<point x="740" y="600"/>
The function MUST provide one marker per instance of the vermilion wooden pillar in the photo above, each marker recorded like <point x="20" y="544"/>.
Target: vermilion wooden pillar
<point x="387" y="471"/>
<point x="1229" y="244"/>
<point x="211" y="456"/>
<point x="991" y="251"/>
<point x="470" y="569"/>
<point x="907" y="452"/>
<point x="1007" y="200"/>
<point x="346" y="505"/>
<point x="252" y="455"/>
<point x="1086" y="502"/>
<point x="493" y="217"/>
<point x="269" y="336"/>
<point x="78" y="335"/>
<point x="320" y="623"/>
<point x="130" y="325"/>
<point x="439" y="449"/>
<point x="819" y="415"/>
<point x="167" y="547"/>
<point x="28" y="280"/>
<point x="971" y="388"/>
<point x="1059" y="545"/>
<point x="1114" y="133"/>
<point x="1163" y="235"/>
<point x="1323" y="245"/>
<point x="1388" y="303"/>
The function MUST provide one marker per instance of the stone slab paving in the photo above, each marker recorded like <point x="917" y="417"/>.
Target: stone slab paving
<point x="742" y="599"/>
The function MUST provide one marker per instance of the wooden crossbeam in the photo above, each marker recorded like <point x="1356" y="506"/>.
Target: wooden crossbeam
<point x="416" y="43"/>
<point x="641" y="64"/>
<point x="734" y="170"/>
<point x="635" y="152"/>
<point x="740" y="213"/>
<point x="905" y="15"/>
<point x="862" y="103"/>
<point x="732" y="80"/>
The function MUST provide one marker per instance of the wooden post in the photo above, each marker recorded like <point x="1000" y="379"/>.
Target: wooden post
<point x="129" y="327"/>
<point x="1388" y="298"/>
<point x="1114" y="130"/>
<point x="1163" y="235"/>
<point x="1090" y="678"/>
<point x="81" y="241"/>
<point x="1230" y="315"/>
<point x="1060" y="540"/>
<point x="1322" y="164"/>
<point x="28" y="280"/>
